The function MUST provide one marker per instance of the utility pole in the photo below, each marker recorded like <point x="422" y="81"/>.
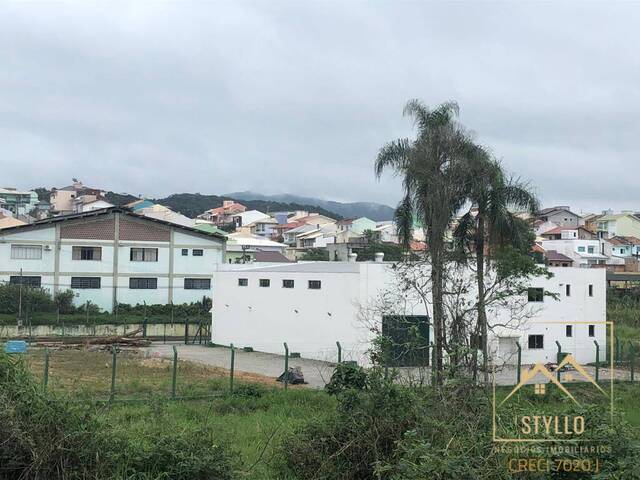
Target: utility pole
<point x="20" y="301"/>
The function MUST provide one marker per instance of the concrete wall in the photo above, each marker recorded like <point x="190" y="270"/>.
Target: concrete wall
<point x="153" y="330"/>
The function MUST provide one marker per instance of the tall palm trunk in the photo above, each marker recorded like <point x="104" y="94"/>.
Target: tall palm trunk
<point x="482" y="313"/>
<point x="438" y="311"/>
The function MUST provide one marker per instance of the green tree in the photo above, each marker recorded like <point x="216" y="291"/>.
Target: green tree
<point x="316" y="255"/>
<point x="432" y="167"/>
<point x="491" y="224"/>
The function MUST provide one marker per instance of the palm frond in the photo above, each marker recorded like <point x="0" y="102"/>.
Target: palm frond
<point x="394" y="155"/>
<point x="404" y="219"/>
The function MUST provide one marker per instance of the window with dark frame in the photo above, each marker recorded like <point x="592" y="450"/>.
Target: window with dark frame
<point x="197" y="283"/>
<point x="243" y="282"/>
<point x="287" y="283"/>
<point x="82" y="283"/>
<point x="26" y="280"/>
<point x="568" y="330"/>
<point x="198" y="252"/>
<point x="567" y="290"/>
<point x="592" y="330"/>
<point x="591" y="290"/>
<point x="265" y="282"/>
<point x="536" y="341"/>
<point x="185" y="252"/>
<point x="143" y="283"/>
<point x="535" y="294"/>
<point x="315" y="284"/>
<point x="86" y="253"/>
<point x="143" y="254"/>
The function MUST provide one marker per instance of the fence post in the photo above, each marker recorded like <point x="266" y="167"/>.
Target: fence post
<point x="286" y="365"/>
<point x="632" y="358"/>
<point x="519" y="362"/>
<point x="598" y="361"/>
<point x="339" y="352"/>
<point x="45" y="380"/>
<point x="233" y="363"/>
<point x="558" y="360"/>
<point x="433" y="364"/>
<point x="186" y="331"/>
<point x="113" y="374"/>
<point x="617" y="357"/>
<point x="175" y="372"/>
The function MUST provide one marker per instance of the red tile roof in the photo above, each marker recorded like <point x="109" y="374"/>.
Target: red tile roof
<point x="622" y="240"/>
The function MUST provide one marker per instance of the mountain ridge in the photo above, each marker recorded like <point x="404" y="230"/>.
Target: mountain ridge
<point x="374" y="211"/>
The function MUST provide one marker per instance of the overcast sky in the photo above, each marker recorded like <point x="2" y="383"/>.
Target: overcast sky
<point x="297" y="97"/>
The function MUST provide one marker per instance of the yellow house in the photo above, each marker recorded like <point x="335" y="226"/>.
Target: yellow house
<point x="625" y="224"/>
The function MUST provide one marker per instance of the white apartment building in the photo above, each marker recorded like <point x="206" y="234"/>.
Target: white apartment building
<point x="585" y="253"/>
<point x="312" y="305"/>
<point x="112" y="256"/>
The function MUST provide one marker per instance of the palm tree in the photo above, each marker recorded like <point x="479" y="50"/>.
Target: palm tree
<point x="491" y="223"/>
<point x="432" y="170"/>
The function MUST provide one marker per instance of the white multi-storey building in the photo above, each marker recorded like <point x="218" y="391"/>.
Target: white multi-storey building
<point x="112" y="256"/>
<point x="312" y="305"/>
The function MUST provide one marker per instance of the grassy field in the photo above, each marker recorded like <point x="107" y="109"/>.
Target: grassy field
<point x="253" y="422"/>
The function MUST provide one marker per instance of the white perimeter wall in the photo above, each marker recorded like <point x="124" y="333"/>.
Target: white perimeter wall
<point x="265" y="317"/>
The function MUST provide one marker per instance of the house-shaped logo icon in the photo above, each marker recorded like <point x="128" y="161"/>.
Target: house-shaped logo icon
<point x="539" y="368"/>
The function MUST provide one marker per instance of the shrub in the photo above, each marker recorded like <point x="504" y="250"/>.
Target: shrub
<point x="397" y="433"/>
<point x="42" y="437"/>
<point x="49" y="437"/>
<point x="346" y="376"/>
<point x="364" y="431"/>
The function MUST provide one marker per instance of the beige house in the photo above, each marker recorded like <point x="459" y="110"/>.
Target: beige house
<point x="625" y="224"/>
<point x="73" y="199"/>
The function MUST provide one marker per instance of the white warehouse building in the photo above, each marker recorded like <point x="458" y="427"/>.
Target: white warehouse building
<point x="313" y="305"/>
<point x="112" y="256"/>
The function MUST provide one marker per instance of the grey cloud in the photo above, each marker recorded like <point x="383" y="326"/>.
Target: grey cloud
<point x="297" y="97"/>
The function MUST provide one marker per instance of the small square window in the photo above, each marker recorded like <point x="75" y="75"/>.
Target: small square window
<point x="536" y="341"/>
<point x="243" y="282"/>
<point x="581" y="249"/>
<point x="198" y="252"/>
<point x="315" y="284"/>
<point x="535" y="294"/>
<point x="567" y="290"/>
<point x="592" y="330"/>
<point x="287" y="283"/>
<point x="185" y="252"/>
<point x="568" y="330"/>
<point x="591" y="290"/>
<point x="265" y="282"/>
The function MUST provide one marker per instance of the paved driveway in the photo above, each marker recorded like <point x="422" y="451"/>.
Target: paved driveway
<point x="316" y="373"/>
